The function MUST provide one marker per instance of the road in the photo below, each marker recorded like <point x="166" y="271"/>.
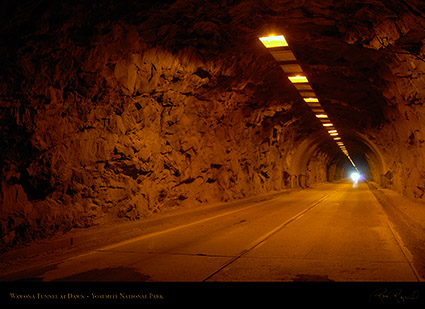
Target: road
<point x="334" y="232"/>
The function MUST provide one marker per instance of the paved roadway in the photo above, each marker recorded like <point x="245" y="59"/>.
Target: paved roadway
<point x="335" y="232"/>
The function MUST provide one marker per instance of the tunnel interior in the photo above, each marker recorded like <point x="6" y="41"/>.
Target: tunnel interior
<point x="115" y="110"/>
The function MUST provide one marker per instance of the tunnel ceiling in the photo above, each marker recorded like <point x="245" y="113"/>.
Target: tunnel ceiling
<point x="141" y="104"/>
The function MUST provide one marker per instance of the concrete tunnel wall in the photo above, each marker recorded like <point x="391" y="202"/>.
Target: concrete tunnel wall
<point x="117" y="110"/>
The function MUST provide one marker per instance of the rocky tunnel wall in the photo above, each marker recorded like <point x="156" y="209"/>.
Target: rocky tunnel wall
<point x="107" y="124"/>
<point x="398" y="141"/>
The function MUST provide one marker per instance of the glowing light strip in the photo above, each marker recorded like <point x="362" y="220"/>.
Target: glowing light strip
<point x="274" y="41"/>
<point x="309" y="97"/>
<point x="311" y="100"/>
<point x="298" y="79"/>
<point x="322" y="116"/>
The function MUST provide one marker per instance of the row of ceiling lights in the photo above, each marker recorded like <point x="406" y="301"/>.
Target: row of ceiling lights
<point x="279" y="48"/>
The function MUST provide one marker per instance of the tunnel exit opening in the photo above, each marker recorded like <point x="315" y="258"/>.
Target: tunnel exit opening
<point x="319" y="160"/>
<point x="341" y="169"/>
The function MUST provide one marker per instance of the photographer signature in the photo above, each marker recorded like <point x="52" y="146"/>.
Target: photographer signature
<point x="384" y="296"/>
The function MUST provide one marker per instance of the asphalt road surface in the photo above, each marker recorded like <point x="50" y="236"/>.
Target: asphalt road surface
<point x="335" y="232"/>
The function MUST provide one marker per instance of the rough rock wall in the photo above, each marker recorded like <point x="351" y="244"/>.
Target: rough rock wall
<point x="103" y="125"/>
<point x="317" y="168"/>
<point x="402" y="140"/>
<point x="400" y="33"/>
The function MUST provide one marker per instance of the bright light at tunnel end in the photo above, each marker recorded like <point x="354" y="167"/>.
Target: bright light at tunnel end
<point x="355" y="177"/>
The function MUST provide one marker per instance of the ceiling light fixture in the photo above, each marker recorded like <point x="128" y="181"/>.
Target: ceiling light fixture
<point x="298" y="79"/>
<point x="311" y="100"/>
<point x="274" y="41"/>
<point x="322" y="116"/>
<point x="328" y="124"/>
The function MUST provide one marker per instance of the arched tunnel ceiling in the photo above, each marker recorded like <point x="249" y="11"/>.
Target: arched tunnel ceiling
<point x="345" y="47"/>
<point x="333" y="41"/>
<point x="347" y="62"/>
<point x="346" y="77"/>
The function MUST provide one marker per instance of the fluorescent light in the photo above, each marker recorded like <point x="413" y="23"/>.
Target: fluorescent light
<point x="274" y="41"/>
<point x="298" y="79"/>
<point x="322" y="116"/>
<point x="333" y="134"/>
<point x="332" y="131"/>
<point x="311" y="100"/>
<point x="337" y="138"/>
<point x="328" y="124"/>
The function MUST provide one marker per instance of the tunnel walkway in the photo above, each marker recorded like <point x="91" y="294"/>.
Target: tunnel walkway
<point x="334" y="232"/>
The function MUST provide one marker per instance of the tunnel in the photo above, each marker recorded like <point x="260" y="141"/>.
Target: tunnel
<point x="118" y="111"/>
